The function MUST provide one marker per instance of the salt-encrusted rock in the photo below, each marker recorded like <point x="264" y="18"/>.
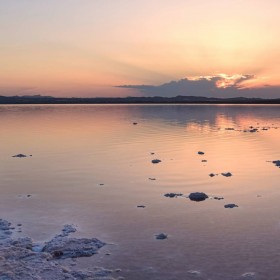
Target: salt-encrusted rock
<point x="22" y="259"/>
<point x="230" y="205"/>
<point x="161" y="236"/>
<point x="198" y="196"/>
<point x="72" y="247"/>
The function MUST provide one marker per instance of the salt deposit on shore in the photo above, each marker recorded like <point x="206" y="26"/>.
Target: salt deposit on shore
<point x="23" y="259"/>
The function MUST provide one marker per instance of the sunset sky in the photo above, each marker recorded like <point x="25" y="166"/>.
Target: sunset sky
<point x="148" y="47"/>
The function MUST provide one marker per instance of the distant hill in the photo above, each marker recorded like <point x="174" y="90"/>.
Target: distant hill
<point x="180" y="99"/>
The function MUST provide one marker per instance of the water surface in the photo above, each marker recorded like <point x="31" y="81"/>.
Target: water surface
<point x="91" y="165"/>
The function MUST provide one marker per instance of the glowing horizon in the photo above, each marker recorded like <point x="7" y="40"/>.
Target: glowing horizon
<point x="85" y="48"/>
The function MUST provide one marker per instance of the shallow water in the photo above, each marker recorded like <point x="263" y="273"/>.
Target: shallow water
<point x="75" y="148"/>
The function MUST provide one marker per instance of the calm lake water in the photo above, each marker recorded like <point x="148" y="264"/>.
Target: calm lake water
<point x="75" y="148"/>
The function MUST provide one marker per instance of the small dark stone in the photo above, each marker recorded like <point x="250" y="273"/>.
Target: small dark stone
<point x="276" y="162"/>
<point x="171" y="195"/>
<point x="212" y="175"/>
<point x="156" y="161"/>
<point x="200" y="153"/>
<point x="135" y="123"/>
<point x="152" y="179"/>
<point x="20" y="155"/>
<point x="230" y="205"/>
<point x="204" y="160"/>
<point x="227" y="174"/>
<point x="141" y="206"/>
<point x="198" y="196"/>
<point x="161" y="236"/>
<point x="218" y="198"/>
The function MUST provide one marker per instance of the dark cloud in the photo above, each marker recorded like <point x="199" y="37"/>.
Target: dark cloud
<point x="209" y="86"/>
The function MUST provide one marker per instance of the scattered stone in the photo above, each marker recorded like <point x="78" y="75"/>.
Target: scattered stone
<point x="152" y="179"/>
<point x="276" y="162"/>
<point x="194" y="272"/>
<point x="230" y="205"/>
<point x="118" y="270"/>
<point x="156" y="161"/>
<point x="161" y="236"/>
<point x="19" y="225"/>
<point x="152" y="153"/>
<point x="227" y="174"/>
<point x="218" y="198"/>
<point x="171" y="195"/>
<point x="212" y="175"/>
<point x="204" y="160"/>
<point x="101" y="184"/>
<point x="20" y="156"/>
<point x="198" y="196"/>
<point x="141" y="206"/>
<point x="200" y="153"/>
<point x="248" y="275"/>
<point x="135" y="123"/>
<point x="229" y="128"/>
<point x="29" y="195"/>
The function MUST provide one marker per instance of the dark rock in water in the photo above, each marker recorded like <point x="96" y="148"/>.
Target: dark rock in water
<point x="218" y="198"/>
<point x="156" y="161"/>
<point x="198" y="196"/>
<point x="20" y="155"/>
<point x="200" y="153"/>
<point x="276" y="162"/>
<point x="161" y="236"/>
<point x="141" y="206"/>
<point x="230" y="205"/>
<point x="171" y="195"/>
<point x="212" y="175"/>
<point x="227" y="174"/>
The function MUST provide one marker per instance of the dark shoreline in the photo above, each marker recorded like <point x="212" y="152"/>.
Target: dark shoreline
<point x="133" y="100"/>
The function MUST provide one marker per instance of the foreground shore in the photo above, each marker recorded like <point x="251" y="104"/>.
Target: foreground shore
<point x="21" y="258"/>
